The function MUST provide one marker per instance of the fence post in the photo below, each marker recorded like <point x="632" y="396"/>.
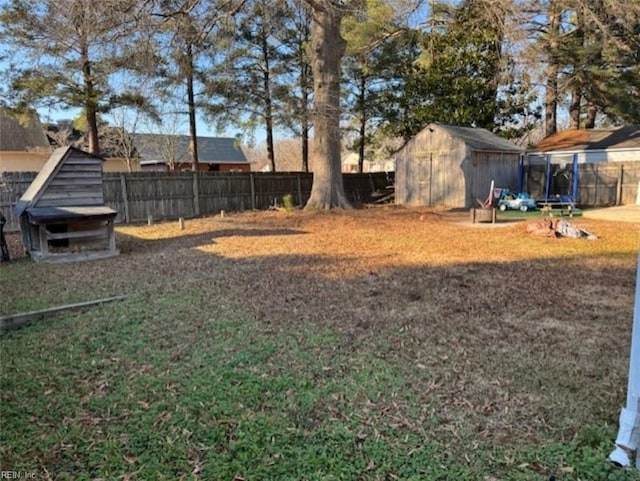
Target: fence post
<point x="596" y="200"/>
<point x="299" y="180"/>
<point x="125" y="197"/>
<point x="252" y="184"/>
<point x="196" y="194"/>
<point x="619" y="186"/>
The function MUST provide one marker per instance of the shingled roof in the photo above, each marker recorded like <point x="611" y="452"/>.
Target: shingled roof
<point x="597" y="139"/>
<point x="480" y="139"/>
<point x="211" y="150"/>
<point x="23" y="136"/>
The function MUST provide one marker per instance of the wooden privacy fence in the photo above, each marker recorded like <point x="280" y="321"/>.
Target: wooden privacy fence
<point x="599" y="184"/>
<point x="137" y="196"/>
<point x="12" y="186"/>
<point x="608" y="184"/>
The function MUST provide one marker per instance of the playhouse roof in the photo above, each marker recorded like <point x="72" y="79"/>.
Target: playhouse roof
<point x="61" y="213"/>
<point x="44" y="177"/>
<point x="596" y="139"/>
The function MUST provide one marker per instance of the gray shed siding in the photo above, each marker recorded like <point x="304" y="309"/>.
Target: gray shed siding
<point x="438" y="168"/>
<point x="78" y="182"/>
<point x="424" y="174"/>
<point x="501" y="167"/>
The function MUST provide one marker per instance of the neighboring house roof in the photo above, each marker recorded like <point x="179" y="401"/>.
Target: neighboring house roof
<point x="211" y="150"/>
<point x="478" y="139"/>
<point x="600" y="139"/>
<point x="39" y="184"/>
<point x="115" y="142"/>
<point x="19" y="136"/>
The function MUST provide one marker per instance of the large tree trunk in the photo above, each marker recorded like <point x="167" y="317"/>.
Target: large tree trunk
<point x="327" y="48"/>
<point x="191" y="101"/>
<point x="269" y="128"/>
<point x="92" y="129"/>
<point x="90" y="103"/>
<point x="304" y="114"/>
<point x="363" y="122"/>
<point x="590" y="119"/>
<point x="305" y="141"/>
<point x="576" y="91"/>
<point x="268" y="105"/>
<point x="574" y="108"/>
<point x="305" y="89"/>
<point x="551" y="92"/>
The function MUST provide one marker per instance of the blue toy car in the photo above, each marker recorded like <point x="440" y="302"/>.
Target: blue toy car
<point x="511" y="200"/>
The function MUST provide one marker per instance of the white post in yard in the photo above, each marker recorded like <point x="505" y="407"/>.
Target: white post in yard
<point x="628" y="440"/>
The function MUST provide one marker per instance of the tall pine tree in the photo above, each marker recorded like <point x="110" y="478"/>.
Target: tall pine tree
<point x="66" y="53"/>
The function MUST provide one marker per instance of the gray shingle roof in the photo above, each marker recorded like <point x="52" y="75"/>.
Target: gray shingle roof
<point x="17" y="137"/>
<point x="480" y="139"/>
<point x="211" y="150"/>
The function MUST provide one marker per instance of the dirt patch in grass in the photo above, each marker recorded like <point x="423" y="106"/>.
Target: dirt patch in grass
<point x="406" y="327"/>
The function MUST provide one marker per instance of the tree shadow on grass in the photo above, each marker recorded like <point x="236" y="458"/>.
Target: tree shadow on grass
<point x="490" y="354"/>
<point x="131" y="244"/>
<point x="508" y="352"/>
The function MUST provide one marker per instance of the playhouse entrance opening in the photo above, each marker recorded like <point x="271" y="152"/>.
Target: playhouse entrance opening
<point x="58" y="229"/>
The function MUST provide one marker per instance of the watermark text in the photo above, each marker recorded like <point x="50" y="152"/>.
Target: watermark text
<point x="17" y="475"/>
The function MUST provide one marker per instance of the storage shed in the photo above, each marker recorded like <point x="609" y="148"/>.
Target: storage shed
<point x="62" y="213"/>
<point x="454" y="166"/>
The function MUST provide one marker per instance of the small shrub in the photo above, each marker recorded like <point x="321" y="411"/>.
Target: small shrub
<point x="287" y="201"/>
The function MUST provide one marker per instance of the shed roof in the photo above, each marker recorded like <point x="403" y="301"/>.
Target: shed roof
<point x="39" y="184"/>
<point x="597" y="139"/>
<point x="211" y="150"/>
<point x="18" y="137"/>
<point x="478" y="139"/>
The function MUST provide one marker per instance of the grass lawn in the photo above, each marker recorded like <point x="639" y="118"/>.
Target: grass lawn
<point x="379" y="344"/>
<point x="536" y="214"/>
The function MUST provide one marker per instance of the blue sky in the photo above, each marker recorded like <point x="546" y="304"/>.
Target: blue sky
<point x="55" y="113"/>
<point x="204" y="128"/>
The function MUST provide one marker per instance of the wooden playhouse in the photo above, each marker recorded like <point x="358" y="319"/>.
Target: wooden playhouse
<point x="62" y="214"/>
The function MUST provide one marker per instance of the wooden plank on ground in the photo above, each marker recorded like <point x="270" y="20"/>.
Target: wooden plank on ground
<point x="13" y="321"/>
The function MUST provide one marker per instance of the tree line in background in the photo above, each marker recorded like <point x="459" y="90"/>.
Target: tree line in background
<point x="371" y="73"/>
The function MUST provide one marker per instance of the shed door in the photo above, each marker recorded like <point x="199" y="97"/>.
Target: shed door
<point x="433" y="178"/>
<point x="424" y="179"/>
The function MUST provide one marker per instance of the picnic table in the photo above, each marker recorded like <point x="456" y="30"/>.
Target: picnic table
<point x="548" y="206"/>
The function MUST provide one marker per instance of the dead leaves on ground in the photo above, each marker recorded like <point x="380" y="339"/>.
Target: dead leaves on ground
<point x="482" y="322"/>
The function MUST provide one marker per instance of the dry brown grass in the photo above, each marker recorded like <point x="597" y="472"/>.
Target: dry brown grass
<point x="503" y="336"/>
